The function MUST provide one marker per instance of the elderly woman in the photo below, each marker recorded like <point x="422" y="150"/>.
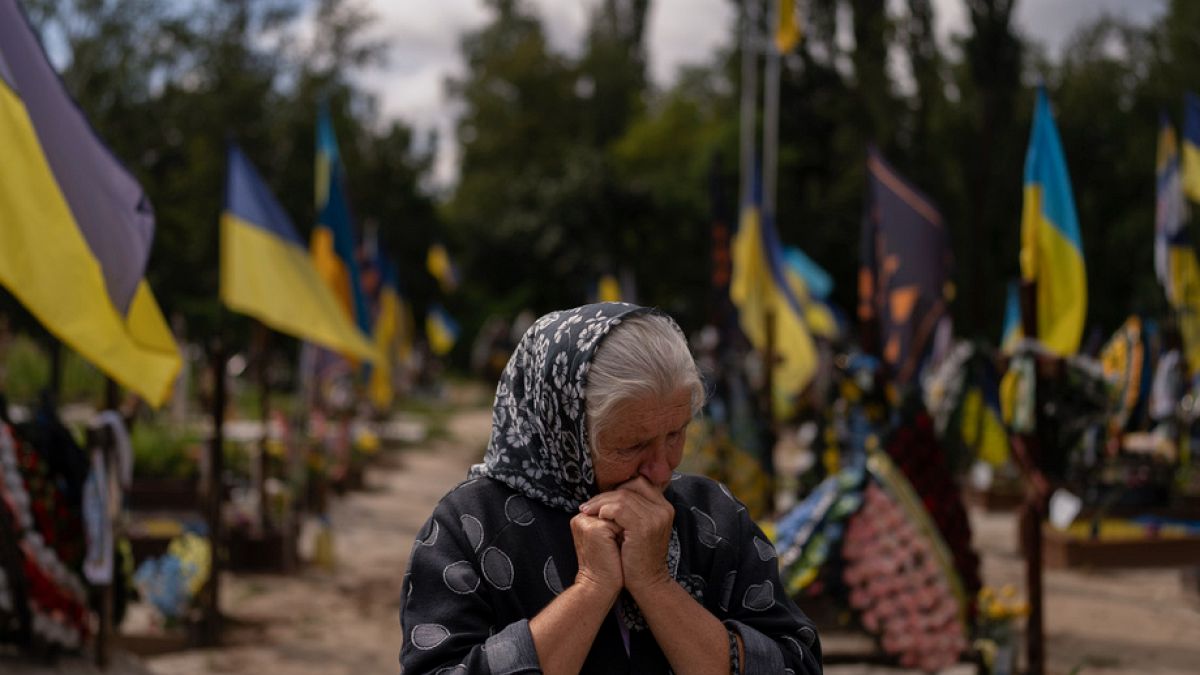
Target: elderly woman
<point x="575" y="547"/>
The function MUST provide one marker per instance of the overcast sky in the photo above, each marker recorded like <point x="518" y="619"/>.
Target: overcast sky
<point x="422" y="38"/>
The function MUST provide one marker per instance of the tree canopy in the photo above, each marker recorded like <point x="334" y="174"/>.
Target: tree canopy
<point x="574" y="164"/>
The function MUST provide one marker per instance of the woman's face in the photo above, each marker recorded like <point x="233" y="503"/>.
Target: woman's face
<point x="645" y="438"/>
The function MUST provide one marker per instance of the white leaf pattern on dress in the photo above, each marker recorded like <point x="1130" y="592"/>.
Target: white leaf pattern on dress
<point x="759" y="597"/>
<point x="550" y="575"/>
<point x="460" y="577"/>
<point x="431" y="539"/>
<point x="497" y="568"/>
<point x="706" y="529"/>
<point x="428" y="635"/>
<point x="517" y="510"/>
<point x="473" y="529"/>
<point x="765" y="550"/>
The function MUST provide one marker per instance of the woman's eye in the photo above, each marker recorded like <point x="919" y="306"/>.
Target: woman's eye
<point x="633" y="449"/>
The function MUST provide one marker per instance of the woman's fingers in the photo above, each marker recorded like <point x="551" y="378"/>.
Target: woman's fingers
<point x="645" y="489"/>
<point x="597" y="550"/>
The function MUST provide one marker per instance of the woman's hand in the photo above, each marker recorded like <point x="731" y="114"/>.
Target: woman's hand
<point x="564" y="630"/>
<point x="645" y="517"/>
<point x="598" y="553"/>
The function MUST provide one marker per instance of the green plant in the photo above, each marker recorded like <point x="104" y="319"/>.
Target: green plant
<point x="81" y="381"/>
<point x="161" y="451"/>
<point x="26" y="369"/>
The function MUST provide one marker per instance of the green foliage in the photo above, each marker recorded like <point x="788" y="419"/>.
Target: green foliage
<point x="81" y="382"/>
<point x="165" y="451"/>
<point x="26" y="370"/>
<point x="573" y="164"/>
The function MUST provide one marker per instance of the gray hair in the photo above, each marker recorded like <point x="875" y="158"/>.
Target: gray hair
<point x="645" y="355"/>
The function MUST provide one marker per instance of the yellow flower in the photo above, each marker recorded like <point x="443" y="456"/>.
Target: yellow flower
<point x="367" y="442"/>
<point x="831" y="459"/>
<point x="987" y="649"/>
<point x="996" y="612"/>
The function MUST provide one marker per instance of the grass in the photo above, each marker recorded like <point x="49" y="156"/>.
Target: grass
<point x="25" y="372"/>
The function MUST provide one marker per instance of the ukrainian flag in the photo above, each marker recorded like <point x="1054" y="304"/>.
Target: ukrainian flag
<point x="1174" y="258"/>
<point x="387" y="327"/>
<point x="441" y="330"/>
<point x="981" y="426"/>
<point x="759" y="286"/>
<point x="1191" y="146"/>
<point x="810" y="285"/>
<point x="332" y="244"/>
<point x="1011" y="334"/>
<point x="438" y="262"/>
<point x="267" y="274"/>
<point x="1169" y="211"/>
<point x="607" y="289"/>
<point x="75" y="226"/>
<point x="1051" y="247"/>
<point x="788" y="30"/>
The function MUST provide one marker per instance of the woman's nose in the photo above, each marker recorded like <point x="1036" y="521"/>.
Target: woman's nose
<point x="656" y="468"/>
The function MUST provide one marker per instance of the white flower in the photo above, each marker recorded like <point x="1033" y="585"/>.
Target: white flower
<point x="540" y="348"/>
<point x="518" y="434"/>
<point x="532" y="469"/>
<point x="559" y="370"/>
<point x="565" y="327"/>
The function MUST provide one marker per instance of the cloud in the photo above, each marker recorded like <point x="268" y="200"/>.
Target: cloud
<point x="422" y="43"/>
<point x="686" y="32"/>
<point x="1053" y="22"/>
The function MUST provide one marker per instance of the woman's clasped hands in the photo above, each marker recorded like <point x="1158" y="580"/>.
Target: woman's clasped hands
<point x="621" y="537"/>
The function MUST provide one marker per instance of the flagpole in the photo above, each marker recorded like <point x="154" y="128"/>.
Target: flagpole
<point x="210" y="595"/>
<point x="770" y="150"/>
<point x="262" y="340"/>
<point x="1028" y="451"/>
<point x="748" y="110"/>
<point x="770" y="154"/>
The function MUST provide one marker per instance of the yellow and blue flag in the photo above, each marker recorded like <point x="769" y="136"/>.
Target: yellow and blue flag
<point x="608" y="289"/>
<point x="1051" y="246"/>
<point x="1010" y="335"/>
<point x="788" y="30"/>
<point x="266" y="272"/>
<point x="332" y="244"/>
<point x="1169" y="209"/>
<point x="75" y="226"/>
<point x="1191" y="146"/>
<point x="811" y="285"/>
<point x="904" y="278"/>
<point x="759" y="287"/>
<point x="982" y="427"/>
<point x="441" y="330"/>
<point x="438" y="262"/>
<point x="387" y="333"/>
<point x="1175" y="261"/>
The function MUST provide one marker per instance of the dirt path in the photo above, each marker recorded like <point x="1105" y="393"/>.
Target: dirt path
<point x="345" y="621"/>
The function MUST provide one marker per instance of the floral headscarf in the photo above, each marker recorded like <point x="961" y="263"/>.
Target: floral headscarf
<point x="539" y="444"/>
